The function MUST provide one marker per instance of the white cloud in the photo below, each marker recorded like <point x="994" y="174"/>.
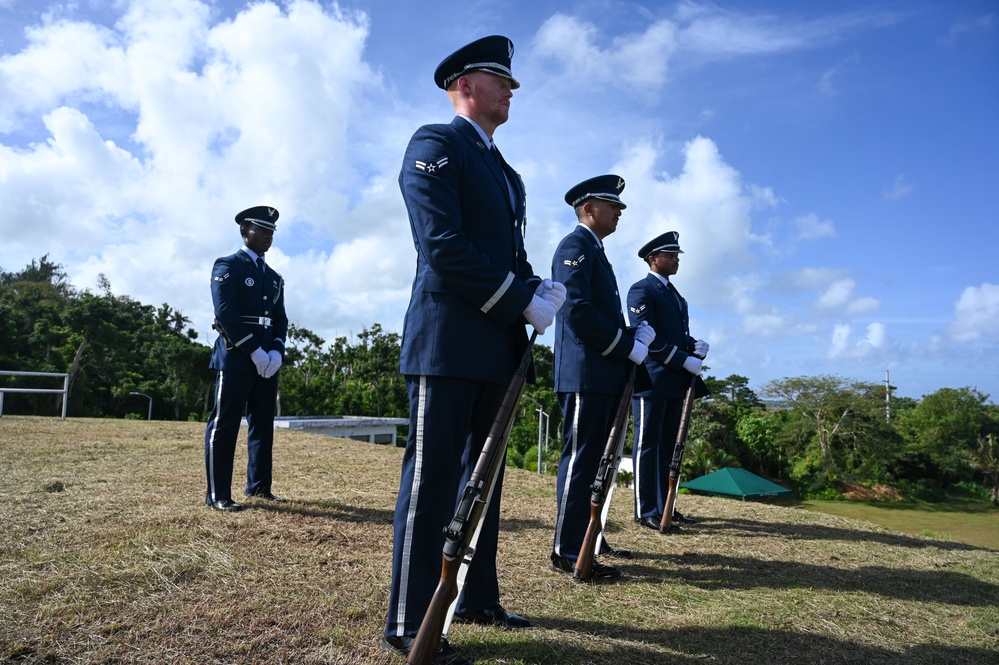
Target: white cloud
<point x="827" y="81"/>
<point x="864" y="305"/>
<point x="810" y="227"/>
<point x="980" y="24"/>
<point x="707" y="203"/>
<point x="633" y="60"/>
<point x="698" y="32"/>
<point x="874" y="345"/>
<point x="837" y="295"/>
<point x="899" y="189"/>
<point x="64" y="60"/>
<point x="256" y="109"/>
<point x="976" y="315"/>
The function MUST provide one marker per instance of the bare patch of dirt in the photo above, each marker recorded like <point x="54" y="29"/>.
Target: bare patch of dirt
<point x="860" y="492"/>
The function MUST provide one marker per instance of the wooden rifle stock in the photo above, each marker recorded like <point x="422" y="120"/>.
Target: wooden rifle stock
<point x="583" y="570"/>
<point x="678" y="449"/>
<point x="459" y="533"/>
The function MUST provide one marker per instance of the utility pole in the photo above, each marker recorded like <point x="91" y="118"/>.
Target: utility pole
<point x="888" y="388"/>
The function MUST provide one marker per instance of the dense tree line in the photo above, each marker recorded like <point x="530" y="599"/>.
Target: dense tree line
<point x="110" y="345"/>
<point x="813" y="434"/>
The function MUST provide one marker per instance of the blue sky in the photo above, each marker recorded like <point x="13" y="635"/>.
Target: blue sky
<point x="831" y="167"/>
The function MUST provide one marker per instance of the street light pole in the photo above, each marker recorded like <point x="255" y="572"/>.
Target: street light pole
<point x="150" y="417"/>
<point x="542" y="418"/>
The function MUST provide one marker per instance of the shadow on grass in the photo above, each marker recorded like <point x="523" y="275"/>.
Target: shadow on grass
<point x="326" y="509"/>
<point x="717" y="571"/>
<point x="732" y="645"/>
<point x="820" y="532"/>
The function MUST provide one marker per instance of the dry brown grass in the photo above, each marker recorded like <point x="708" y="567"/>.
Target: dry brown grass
<point x="109" y="556"/>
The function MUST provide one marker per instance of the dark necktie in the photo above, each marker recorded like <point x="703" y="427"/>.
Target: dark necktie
<point x="260" y="263"/>
<point x="495" y="154"/>
<point x="676" y="294"/>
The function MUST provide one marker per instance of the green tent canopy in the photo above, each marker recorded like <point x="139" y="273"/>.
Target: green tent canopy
<point x="733" y="481"/>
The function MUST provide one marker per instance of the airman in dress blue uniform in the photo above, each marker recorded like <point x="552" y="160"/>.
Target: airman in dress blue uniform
<point x="463" y="335"/>
<point x="250" y="317"/>
<point x="672" y="363"/>
<point x="593" y="352"/>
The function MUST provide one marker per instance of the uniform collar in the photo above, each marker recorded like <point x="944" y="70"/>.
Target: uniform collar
<point x="664" y="280"/>
<point x="253" y="255"/>
<point x="482" y="134"/>
<point x="595" y="238"/>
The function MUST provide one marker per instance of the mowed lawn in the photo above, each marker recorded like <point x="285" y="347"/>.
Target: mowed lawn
<point x="975" y="523"/>
<point x="108" y="555"/>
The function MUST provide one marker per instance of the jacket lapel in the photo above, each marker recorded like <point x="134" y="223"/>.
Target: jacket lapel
<point x="492" y="162"/>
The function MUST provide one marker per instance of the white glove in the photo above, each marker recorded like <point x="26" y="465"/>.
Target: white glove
<point x="540" y="314"/>
<point x="701" y="349"/>
<point x="645" y="333"/>
<point x="693" y="365"/>
<point x="638" y="353"/>
<point x="553" y="292"/>
<point x="261" y="360"/>
<point x="273" y="365"/>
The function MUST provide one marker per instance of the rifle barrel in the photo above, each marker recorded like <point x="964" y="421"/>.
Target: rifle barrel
<point x="677" y="461"/>
<point x="583" y="569"/>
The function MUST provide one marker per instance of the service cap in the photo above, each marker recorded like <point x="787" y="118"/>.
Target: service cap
<point x="264" y="216"/>
<point x="603" y="187"/>
<point x="489" y="54"/>
<point x="667" y="242"/>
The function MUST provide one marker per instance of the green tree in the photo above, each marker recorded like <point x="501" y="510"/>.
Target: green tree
<point x="985" y="458"/>
<point x="109" y="345"/>
<point x="524" y="435"/>
<point x="842" y="426"/>
<point x="760" y="430"/>
<point x="32" y="329"/>
<point x="940" y="432"/>
<point x="360" y="379"/>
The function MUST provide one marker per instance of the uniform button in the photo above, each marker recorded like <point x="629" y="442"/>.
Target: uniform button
<point x="267" y="312"/>
<point x="265" y="297"/>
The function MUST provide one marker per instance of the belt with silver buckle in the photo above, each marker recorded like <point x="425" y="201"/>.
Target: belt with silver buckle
<point x="264" y="321"/>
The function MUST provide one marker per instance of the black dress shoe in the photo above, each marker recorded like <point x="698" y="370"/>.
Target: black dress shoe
<point x="614" y="552"/>
<point x="600" y="571"/>
<point x="682" y="519"/>
<point x="494" y="616"/>
<point x="446" y="655"/>
<point x="228" y="505"/>
<point x="653" y="523"/>
<point x="268" y="496"/>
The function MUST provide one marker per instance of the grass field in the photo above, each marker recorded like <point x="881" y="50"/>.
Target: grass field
<point x="971" y="522"/>
<point x="108" y="555"/>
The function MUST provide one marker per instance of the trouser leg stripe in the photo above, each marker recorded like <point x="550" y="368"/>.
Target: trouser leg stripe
<point x="211" y="438"/>
<point x="414" y="500"/>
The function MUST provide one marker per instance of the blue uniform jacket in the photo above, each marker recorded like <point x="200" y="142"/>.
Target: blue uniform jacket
<point x="591" y="340"/>
<point x="241" y="293"/>
<point x="650" y="300"/>
<point x="473" y="280"/>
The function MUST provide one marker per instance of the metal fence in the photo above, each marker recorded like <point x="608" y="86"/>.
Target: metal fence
<point x="64" y="391"/>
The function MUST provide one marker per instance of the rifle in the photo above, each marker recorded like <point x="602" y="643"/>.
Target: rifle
<point x="462" y="534"/>
<point x="674" y="467"/>
<point x="602" y="484"/>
